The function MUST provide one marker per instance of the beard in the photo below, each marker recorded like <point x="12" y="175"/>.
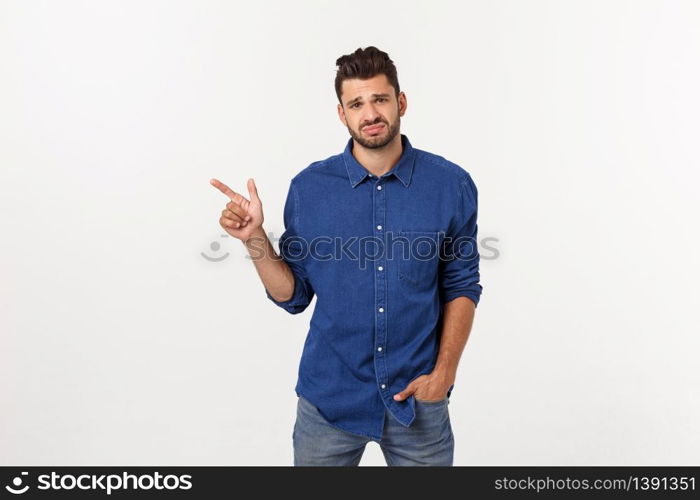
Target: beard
<point x="390" y="131"/>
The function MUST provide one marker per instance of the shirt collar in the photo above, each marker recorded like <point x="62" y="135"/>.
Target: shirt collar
<point x="402" y="170"/>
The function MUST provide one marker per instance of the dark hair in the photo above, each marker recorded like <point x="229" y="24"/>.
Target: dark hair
<point x="364" y="64"/>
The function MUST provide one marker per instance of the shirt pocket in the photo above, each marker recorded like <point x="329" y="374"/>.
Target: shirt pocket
<point x="418" y="264"/>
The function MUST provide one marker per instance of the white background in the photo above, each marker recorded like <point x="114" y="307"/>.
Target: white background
<point x="121" y="345"/>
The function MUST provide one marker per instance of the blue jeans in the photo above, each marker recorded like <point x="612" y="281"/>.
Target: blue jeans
<point x="428" y="440"/>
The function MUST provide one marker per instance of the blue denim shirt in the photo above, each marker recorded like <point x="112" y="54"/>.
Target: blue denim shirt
<point x="382" y="255"/>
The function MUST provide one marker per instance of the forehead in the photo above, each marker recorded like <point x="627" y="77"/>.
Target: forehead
<point x="356" y="87"/>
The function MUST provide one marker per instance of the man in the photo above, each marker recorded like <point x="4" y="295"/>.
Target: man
<point x="387" y="331"/>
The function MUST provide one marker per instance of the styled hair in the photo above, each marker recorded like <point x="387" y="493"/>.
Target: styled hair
<point x="364" y="64"/>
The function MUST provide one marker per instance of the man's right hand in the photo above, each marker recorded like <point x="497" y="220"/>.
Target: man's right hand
<point x="242" y="218"/>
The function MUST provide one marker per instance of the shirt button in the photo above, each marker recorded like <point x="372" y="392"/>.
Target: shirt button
<point x="381" y="309"/>
<point x="379" y="227"/>
<point x="379" y="348"/>
<point x="383" y="386"/>
<point x="380" y="268"/>
<point x="379" y="188"/>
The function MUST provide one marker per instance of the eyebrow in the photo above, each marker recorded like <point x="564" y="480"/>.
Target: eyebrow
<point x="359" y="98"/>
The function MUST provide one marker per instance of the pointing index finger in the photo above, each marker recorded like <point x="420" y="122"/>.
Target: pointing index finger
<point x="235" y="197"/>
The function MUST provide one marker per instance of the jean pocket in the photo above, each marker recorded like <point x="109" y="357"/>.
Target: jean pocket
<point x="431" y="403"/>
<point x="419" y="257"/>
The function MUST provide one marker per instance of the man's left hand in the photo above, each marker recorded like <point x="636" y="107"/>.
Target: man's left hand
<point x="431" y="387"/>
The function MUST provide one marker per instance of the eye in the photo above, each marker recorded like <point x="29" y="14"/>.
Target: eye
<point x="354" y="104"/>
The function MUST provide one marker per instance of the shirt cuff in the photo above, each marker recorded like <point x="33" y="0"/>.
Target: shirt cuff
<point x="297" y="303"/>
<point x="473" y="296"/>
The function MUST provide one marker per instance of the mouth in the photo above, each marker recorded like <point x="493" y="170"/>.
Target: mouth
<point x="373" y="129"/>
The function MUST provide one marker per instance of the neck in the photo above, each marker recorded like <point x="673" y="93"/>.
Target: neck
<point x="380" y="160"/>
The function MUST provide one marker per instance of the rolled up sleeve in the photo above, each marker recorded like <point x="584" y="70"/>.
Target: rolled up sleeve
<point x="459" y="263"/>
<point x="293" y="251"/>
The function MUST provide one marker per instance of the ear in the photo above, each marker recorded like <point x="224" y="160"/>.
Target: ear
<point x="341" y="115"/>
<point x="403" y="104"/>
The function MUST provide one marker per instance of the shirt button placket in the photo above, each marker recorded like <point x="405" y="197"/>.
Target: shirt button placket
<point x="380" y="281"/>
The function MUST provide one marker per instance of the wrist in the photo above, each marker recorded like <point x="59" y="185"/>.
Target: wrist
<point x="446" y="375"/>
<point x="257" y="234"/>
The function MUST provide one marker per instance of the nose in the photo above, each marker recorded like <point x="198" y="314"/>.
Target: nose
<point x="371" y="115"/>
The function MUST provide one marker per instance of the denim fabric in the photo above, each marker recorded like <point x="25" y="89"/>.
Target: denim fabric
<point x="381" y="256"/>
<point x="428" y="442"/>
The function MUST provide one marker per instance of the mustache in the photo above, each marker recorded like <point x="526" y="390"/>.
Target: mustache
<point x="373" y="124"/>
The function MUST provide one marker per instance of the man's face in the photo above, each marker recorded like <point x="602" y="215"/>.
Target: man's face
<point x="371" y="102"/>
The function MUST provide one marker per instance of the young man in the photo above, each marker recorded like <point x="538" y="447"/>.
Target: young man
<point x="389" y="327"/>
